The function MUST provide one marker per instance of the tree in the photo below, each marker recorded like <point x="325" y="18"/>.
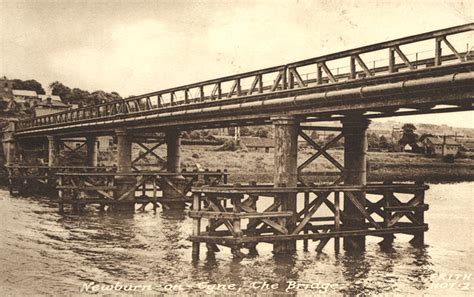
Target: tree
<point x="408" y="135"/>
<point x="383" y="142"/>
<point x="373" y="141"/>
<point x="31" y="85"/>
<point x="81" y="97"/>
<point x="245" y="131"/>
<point x="60" y="90"/>
<point x="262" y="132"/>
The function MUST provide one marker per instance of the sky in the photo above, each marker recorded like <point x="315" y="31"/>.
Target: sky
<point x="134" y="47"/>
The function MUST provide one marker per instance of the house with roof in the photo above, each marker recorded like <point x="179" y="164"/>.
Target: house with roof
<point x="441" y="146"/>
<point x="49" y="106"/>
<point x="25" y="97"/>
<point x="258" y="143"/>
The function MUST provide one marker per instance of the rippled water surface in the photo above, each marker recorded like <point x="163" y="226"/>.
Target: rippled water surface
<point x="42" y="252"/>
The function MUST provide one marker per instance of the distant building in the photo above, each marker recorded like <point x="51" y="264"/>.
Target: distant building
<point x="26" y="97"/>
<point x="22" y="100"/>
<point x="441" y="146"/>
<point x="257" y="142"/>
<point x="49" y="106"/>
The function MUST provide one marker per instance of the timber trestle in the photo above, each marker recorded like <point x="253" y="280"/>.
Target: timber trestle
<point x="242" y="216"/>
<point x="28" y="179"/>
<point x="82" y="185"/>
<point x="80" y="189"/>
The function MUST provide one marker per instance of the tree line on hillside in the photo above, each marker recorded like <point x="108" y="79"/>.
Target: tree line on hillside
<point x="81" y="97"/>
<point x="30" y="85"/>
<point x="68" y="95"/>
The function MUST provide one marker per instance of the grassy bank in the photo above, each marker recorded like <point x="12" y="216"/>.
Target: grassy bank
<point x="258" y="165"/>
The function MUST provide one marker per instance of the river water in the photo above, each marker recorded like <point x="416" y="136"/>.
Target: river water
<point x="42" y="252"/>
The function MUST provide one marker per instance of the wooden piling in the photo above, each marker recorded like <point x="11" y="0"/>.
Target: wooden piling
<point x="337" y="221"/>
<point x="196" y="225"/>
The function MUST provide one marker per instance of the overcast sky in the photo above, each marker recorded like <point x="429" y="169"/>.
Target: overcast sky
<point x="134" y="47"/>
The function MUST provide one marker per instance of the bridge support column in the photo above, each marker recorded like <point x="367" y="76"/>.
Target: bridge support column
<point x="53" y="151"/>
<point x="124" y="183"/>
<point x="10" y="145"/>
<point x="174" y="190"/>
<point x="92" y="152"/>
<point x="285" y="171"/>
<point x="355" y="165"/>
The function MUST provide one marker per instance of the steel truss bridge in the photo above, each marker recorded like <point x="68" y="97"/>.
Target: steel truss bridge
<point x="396" y="81"/>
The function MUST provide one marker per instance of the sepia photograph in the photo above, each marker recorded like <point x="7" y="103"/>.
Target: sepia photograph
<point x="236" y="147"/>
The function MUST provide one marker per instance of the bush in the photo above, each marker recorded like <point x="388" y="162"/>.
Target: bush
<point x="262" y="133"/>
<point x="194" y="135"/>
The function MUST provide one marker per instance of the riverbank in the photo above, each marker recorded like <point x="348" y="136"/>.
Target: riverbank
<point x="383" y="166"/>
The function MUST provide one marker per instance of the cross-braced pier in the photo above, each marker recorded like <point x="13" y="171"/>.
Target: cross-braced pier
<point x="242" y="216"/>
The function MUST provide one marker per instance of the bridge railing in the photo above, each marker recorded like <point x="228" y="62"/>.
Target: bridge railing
<point x="320" y="71"/>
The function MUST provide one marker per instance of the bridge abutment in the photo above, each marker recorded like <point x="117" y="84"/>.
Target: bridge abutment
<point x="355" y="167"/>
<point x="285" y="171"/>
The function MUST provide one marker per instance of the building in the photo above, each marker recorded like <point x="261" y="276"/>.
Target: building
<point x="441" y="146"/>
<point x="258" y="143"/>
<point x="49" y="106"/>
<point x="21" y="100"/>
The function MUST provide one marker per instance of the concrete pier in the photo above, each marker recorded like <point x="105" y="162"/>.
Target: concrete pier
<point x="124" y="165"/>
<point x="285" y="170"/>
<point x="9" y="144"/>
<point x="92" y="151"/>
<point x="53" y="151"/>
<point x="355" y="165"/>
<point x="174" y="190"/>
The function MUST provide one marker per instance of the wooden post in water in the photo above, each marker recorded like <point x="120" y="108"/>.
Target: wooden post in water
<point x="355" y="165"/>
<point x="124" y="183"/>
<point x="285" y="171"/>
<point x="196" y="225"/>
<point x="92" y="151"/>
<point x="419" y="237"/>
<point x="175" y="190"/>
